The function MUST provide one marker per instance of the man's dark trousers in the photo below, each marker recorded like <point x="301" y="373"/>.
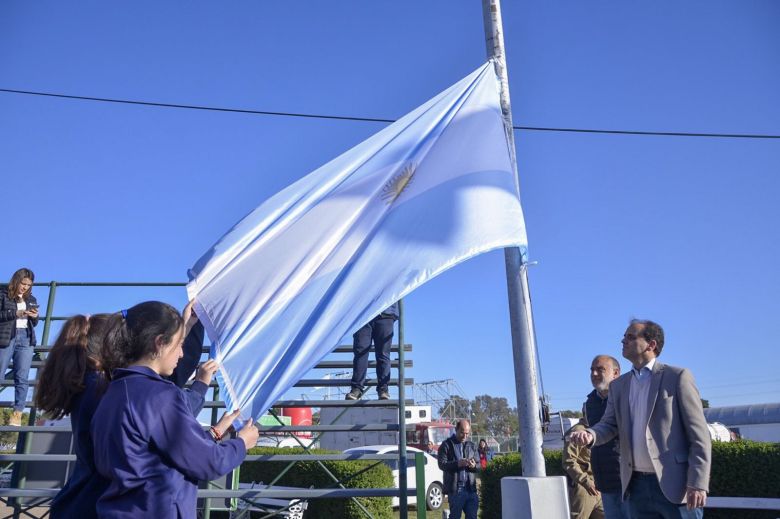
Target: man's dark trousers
<point x="646" y="501"/>
<point x="465" y="501"/>
<point x="380" y="330"/>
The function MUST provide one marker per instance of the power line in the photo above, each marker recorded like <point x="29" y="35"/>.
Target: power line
<point x="380" y="120"/>
<point x="194" y="107"/>
<point x="661" y="134"/>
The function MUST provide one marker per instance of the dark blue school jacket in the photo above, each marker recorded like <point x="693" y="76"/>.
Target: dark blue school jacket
<point x="153" y="451"/>
<point x="79" y="495"/>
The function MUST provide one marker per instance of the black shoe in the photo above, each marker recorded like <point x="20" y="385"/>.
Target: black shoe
<point x="383" y="394"/>
<point x="355" y="394"/>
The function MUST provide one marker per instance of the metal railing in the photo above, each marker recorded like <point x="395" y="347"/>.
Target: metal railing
<point x="23" y="454"/>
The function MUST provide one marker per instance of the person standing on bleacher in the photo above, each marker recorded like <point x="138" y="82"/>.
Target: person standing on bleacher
<point x="18" y="317"/>
<point x="380" y="331"/>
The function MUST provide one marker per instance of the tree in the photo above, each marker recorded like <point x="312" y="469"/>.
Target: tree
<point x="492" y="416"/>
<point x="571" y="414"/>
<point x="705" y="403"/>
<point x="489" y="415"/>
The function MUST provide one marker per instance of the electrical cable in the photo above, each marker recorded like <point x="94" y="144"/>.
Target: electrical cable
<point x="381" y="120"/>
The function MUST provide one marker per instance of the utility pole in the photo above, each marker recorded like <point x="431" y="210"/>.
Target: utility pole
<point x="520" y="315"/>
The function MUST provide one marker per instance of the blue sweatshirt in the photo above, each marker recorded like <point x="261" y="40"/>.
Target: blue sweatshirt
<point x="78" y="497"/>
<point x="151" y="448"/>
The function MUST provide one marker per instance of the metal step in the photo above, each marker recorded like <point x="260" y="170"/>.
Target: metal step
<point x="306" y="382"/>
<point x="378" y="427"/>
<point x="336" y="364"/>
<point x="250" y="457"/>
<point x="325" y="364"/>
<point x="344" y="348"/>
<point x="246" y="493"/>
<point x="286" y="403"/>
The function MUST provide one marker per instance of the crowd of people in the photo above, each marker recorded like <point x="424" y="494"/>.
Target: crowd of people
<point x="642" y="449"/>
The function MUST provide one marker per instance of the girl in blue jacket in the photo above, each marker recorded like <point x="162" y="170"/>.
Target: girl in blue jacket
<point x="71" y="384"/>
<point x="146" y="441"/>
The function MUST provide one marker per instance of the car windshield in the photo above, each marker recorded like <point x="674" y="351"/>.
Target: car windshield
<point x="437" y="435"/>
<point x="361" y="451"/>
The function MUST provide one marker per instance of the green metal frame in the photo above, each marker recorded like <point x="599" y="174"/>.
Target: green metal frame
<point x="25" y="437"/>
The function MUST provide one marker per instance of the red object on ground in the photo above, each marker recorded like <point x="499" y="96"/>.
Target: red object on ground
<point x="299" y="416"/>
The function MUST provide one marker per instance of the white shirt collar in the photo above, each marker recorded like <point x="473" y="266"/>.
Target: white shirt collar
<point x="648" y="366"/>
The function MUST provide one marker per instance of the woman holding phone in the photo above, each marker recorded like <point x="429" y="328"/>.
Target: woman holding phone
<point x="18" y="317"/>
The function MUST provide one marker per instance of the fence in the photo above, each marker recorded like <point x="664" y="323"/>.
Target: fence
<point x="24" y="498"/>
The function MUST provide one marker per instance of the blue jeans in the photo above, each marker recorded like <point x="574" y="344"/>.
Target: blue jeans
<point x="464" y="501"/>
<point x="614" y="507"/>
<point x="380" y="330"/>
<point x="647" y="501"/>
<point x="19" y="348"/>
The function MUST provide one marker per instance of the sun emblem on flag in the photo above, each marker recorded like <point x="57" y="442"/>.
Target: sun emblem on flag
<point x="396" y="185"/>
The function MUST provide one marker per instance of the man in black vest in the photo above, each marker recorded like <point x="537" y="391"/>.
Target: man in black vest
<point x="458" y="460"/>
<point x="605" y="459"/>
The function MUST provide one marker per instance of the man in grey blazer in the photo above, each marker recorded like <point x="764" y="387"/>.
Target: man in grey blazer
<point x="665" y="447"/>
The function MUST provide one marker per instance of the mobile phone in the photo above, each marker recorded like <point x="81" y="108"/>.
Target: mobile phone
<point x="34" y="306"/>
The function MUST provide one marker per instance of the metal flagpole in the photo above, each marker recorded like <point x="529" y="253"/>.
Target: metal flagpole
<point x="520" y="315"/>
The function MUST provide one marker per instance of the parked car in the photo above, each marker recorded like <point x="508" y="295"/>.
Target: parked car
<point x="434" y="494"/>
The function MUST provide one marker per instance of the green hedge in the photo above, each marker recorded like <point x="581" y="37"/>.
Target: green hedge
<point x="744" y="469"/>
<point x="739" y="469"/>
<point x="309" y="473"/>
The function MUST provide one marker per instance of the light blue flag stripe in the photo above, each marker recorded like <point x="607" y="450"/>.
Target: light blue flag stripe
<point x="322" y="257"/>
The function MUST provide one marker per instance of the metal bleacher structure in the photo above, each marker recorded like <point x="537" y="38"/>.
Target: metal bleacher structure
<point x="32" y="476"/>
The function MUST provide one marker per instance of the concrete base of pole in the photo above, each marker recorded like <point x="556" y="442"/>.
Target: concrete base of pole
<point x="534" y="498"/>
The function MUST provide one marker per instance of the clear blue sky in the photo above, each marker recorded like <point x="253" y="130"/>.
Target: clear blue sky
<point x="681" y="230"/>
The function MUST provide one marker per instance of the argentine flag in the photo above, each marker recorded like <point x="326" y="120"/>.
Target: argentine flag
<point x="316" y="261"/>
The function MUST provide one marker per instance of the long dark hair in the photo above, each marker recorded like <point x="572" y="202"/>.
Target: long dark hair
<point x="480" y="448"/>
<point x="131" y="334"/>
<point x="73" y="353"/>
<point x="16" y="280"/>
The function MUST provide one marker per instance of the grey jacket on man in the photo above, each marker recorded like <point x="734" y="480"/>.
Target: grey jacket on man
<point x="677" y="435"/>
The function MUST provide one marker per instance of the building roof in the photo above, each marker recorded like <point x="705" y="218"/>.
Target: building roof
<point x="744" y="414"/>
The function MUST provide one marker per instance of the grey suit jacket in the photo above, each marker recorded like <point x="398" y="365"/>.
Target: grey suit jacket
<point x="677" y="435"/>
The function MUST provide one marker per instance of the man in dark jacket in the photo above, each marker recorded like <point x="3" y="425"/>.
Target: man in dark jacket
<point x="458" y="460"/>
<point x="605" y="459"/>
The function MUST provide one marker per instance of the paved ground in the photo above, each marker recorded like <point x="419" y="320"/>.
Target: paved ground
<point x="429" y="515"/>
<point x="6" y="511"/>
